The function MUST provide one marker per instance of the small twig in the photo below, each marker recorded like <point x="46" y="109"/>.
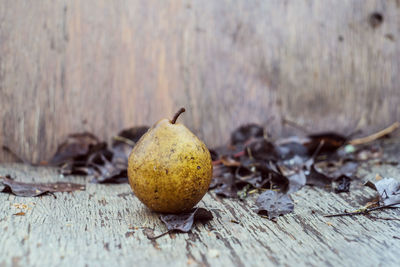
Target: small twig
<point x="316" y="152"/>
<point x="375" y="136"/>
<point x="362" y="212"/>
<point x="308" y="163"/>
<point x="124" y="140"/>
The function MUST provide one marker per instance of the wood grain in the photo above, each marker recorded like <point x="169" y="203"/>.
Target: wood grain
<point x="104" y="226"/>
<point x="68" y="66"/>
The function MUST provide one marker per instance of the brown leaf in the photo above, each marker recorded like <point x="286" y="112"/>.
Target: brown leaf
<point x="183" y="222"/>
<point x="33" y="190"/>
<point x="77" y="144"/>
<point x="335" y="169"/>
<point x="296" y="181"/>
<point x="245" y="133"/>
<point x="316" y="178"/>
<point x="343" y="184"/>
<point x="124" y="142"/>
<point x="389" y="191"/>
<point x="330" y="142"/>
<point x="262" y="149"/>
<point x="245" y="175"/>
<point x="226" y="186"/>
<point x="129" y="136"/>
<point x="273" y="204"/>
<point x="106" y="171"/>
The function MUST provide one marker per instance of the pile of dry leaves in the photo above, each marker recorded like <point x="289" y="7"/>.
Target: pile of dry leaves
<point x="252" y="163"/>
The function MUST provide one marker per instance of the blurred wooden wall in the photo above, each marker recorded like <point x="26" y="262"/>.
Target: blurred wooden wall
<point x="100" y="66"/>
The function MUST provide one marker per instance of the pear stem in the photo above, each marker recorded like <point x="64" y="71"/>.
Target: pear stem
<point x="177" y="115"/>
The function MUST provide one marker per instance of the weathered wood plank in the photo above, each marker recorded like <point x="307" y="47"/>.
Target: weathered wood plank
<point x="96" y="227"/>
<point x="68" y="66"/>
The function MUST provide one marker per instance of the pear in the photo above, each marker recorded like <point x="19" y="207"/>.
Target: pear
<point x="170" y="169"/>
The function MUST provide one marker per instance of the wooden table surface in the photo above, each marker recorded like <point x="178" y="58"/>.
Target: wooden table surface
<point x="105" y="226"/>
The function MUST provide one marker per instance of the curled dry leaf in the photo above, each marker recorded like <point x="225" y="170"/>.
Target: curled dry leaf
<point x="389" y="191"/>
<point x="274" y="204"/>
<point x="330" y="142"/>
<point x="218" y="175"/>
<point x="105" y="170"/>
<point x="348" y="169"/>
<point x="245" y="175"/>
<point x="343" y="184"/>
<point x="324" y="173"/>
<point x="317" y="178"/>
<point x="335" y="169"/>
<point x="262" y="149"/>
<point x="183" y="222"/>
<point x="291" y="147"/>
<point x="123" y="143"/>
<point x="84" y="154"/>
<point x="33" y="190"/>
<point x="285" y="165"/>
<point x="132" y="134"/>
<point x="245" y="133"/>
<point x="297" y="180"/>
<point x="227" y="186"/>
<point x="75" y="145"/>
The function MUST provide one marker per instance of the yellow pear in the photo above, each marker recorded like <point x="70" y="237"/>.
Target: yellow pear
<point x="170" y="169"/>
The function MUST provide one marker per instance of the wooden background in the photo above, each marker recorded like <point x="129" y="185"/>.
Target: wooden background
<point x="100" y="66"/>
